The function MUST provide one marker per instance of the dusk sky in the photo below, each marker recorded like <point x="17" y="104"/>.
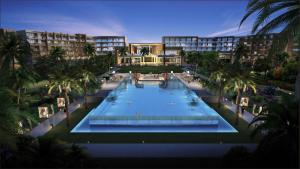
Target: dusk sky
<point x="140" y="21"/>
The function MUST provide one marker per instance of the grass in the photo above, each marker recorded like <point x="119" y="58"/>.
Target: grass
<point x="150" y="69"/>
<point x="63" y="133"/>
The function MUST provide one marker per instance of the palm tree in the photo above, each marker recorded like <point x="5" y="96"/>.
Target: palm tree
<point x="144" y="51"/>
<point x="182" y="54"/>
<point x="86" y="77"/>
<point x="64" y="85"/>
<point x="220" y="78"/>
<point x="57" y="55"/>
<point x="123" y="53"/>
<point x="239" y="85"/>
<point x="279" y="125"/>
<point x="241" y="54"/>
<point x="297" y="90"/>
<point x="89" y="50"/>
<point x="287" y="18"/>
<point x="13" y="49"/>
<point x="120" y="51"/>
<point x="19" y="78"/>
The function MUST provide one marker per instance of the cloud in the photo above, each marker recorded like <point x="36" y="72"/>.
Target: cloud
<point x="234" y="31"/>
<point x="60" y="23"/>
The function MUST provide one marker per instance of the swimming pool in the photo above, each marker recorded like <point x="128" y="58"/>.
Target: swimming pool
<point x="152" y="106"/>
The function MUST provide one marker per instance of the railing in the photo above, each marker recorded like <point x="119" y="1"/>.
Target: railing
<point x="137" y="117"/>
<point x="154" y="120"/>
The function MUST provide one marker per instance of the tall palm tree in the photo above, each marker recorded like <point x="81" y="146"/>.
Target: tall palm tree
<point x="57" y="54"/>
<point x="19" y="78"/>
<point x="182" y="55"/>
<point x="284" y="13"/>
<point x="280" y="126"/>
<point x="239" y="85"/>
<point x="241" y="54"/>
<point x="89" y="50"/>
<point x="86" y="77"/>
<point x="219" y="77"/>
<point x="120" y="51"/>
<point x="144" y="51"/>
<point x="13" y="49"/>
<point x="123" y="53"/>
<point x="64" y="85"/>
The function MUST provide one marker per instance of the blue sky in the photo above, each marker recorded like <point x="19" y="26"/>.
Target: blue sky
<point x="140" y="21"/>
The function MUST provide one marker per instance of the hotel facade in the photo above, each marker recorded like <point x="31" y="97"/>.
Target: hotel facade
<point x="165" y="52"/>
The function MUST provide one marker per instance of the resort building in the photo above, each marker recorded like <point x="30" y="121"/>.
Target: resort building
<point x="225" y="45"/>
<point x="105" y="44"/>
<point x="164" y="53"/>
<point x="42" y="42"/>
<point x="156" y="55"/>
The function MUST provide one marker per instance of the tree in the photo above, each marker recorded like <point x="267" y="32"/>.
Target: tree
<point x="64" y="84"/>
<point x="287" y="18"/>
<point x="278" y="125"/>
<point x="46" y="152"/>
<point x="19" y="78"/>
<point x="209" y="61"/>
<point x="13" y="50"/>
<point x="262" y="65"/>
<point x="86" y="77"/>
<point x="56" y="60"/>
<point x="182" y="54"/>
<point x="219" y="77"/>
<point x="194" y="58"/>
<point x="89" y="50"/>
<point x="121" y="51"/>
<point x="241" y="56"/>
<point x="239" y="85"/>
<point x="297" y="90"/>
<point x="144" y="51"/>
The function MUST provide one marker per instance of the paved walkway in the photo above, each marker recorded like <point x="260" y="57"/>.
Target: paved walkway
<point x="45" y="126"/>
<point x="231" y="106"/>
<point x="196" y="86"/>
<point x="160" y="150"/>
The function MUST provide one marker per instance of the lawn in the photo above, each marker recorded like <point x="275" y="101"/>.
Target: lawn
<point x="150" y="69"/>
<point x="63" y="133"/>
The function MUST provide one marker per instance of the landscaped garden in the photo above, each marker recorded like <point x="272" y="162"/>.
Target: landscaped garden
<point x="267" y="88"/>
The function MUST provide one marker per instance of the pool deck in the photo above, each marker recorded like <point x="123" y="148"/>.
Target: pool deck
<point x="46" y="125"/>
<point x="163" y="150"/>
<point x="198" y="88"/>
<point x="147" y="150"/>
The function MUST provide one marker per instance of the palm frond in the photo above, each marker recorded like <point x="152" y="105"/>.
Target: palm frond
<point x="281" y="20"/>
<point x="268" y="11"/>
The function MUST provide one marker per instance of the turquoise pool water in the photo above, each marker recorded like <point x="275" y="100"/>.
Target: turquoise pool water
<point x="152" y="106"/>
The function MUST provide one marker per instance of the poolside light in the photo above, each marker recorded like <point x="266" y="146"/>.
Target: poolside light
<point x="171" y="71"/>
<point x="43" y="112"/>
<point x="188" y="72"/>
<point x="244" y="101"/>
<point x="113" y="72"/>
<point x="61" y="102"/>
<point x="130" y="72"/>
